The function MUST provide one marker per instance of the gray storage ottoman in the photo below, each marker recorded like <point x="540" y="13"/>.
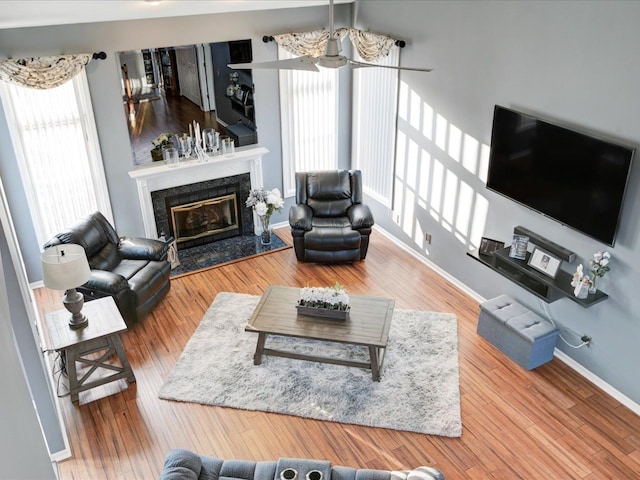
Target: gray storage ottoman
<point x="522" y="335"/>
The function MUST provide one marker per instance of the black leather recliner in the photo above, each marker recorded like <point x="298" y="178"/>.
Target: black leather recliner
<point x="329" y="223"/>
<point x="134" y="271"/>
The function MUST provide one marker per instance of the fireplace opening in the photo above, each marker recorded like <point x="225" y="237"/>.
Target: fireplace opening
<point x="208" y="207"/>
<point x="200" y="219"/>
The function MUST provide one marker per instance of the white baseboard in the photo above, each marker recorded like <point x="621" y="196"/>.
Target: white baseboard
<point x="559" y="354"/>
<point x="597" y="381"/>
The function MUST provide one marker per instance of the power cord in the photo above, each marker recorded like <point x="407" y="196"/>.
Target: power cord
<point x="59" y="370"/>
<point x="585" y="339"/>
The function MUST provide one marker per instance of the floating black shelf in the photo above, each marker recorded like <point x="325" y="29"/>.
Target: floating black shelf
<point x="544" y="287"/>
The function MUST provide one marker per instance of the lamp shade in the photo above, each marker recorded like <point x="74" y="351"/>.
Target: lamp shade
<point x="64" y="267"/>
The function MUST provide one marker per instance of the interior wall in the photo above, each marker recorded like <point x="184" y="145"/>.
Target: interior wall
<point x="24" y="451"/>
<point x="104" y="84"/>
<point x="576" y="63"/>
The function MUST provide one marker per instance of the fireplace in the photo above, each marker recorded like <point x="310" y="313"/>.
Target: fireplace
<point x="204" y="212"/>
<point x="204" y="219"/>
<point x="155" y="181"/>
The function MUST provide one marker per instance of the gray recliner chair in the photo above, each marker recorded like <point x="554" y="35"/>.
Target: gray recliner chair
<point x="329" y="223"/>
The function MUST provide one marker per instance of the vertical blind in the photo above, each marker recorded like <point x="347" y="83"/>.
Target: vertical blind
<point x="53" y="133"/>
<point x="308" y="110"/>
<point x="375" y="105"/>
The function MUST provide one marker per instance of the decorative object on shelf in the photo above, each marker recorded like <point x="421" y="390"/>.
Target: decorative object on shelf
<point x="228" y="147"/>
<point x="162" y="140"/>
<point x="327" y="302"/>
<point x="488" y="246"/>
<point x="519" y="247"/>
<point x="264" y="203"/>
<point x="65" y="267"/>
<point x="577" y="276"/>
<point x="544" y="262"/>
<point x="171" y="157"/>
<point x="599" y="267"/>
<point x="582" y="287"/>
<point x="185" y="142"/>
<point x="233" y="86"/>
<point x="211" y="141"/>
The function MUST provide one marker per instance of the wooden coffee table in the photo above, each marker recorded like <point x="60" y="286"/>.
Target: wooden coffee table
<point x="368" y="325"/>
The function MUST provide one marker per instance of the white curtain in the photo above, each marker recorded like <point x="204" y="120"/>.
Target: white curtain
<point x="308" y="108"/>
<point x="375" y="105"/>
<point x="55" y="140"/>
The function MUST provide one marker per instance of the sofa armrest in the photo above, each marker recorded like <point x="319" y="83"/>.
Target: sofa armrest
<point x="181" y="464"/>
<point x="300" y="216"/>
<point x="143" y="249"/>
<point x="360" y="216"/>
<point x="107" y="283"/>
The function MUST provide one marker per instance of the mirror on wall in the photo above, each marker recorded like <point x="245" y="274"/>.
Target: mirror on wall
<point x="164" y="90"/>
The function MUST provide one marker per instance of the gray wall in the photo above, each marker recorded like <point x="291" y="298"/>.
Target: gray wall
<point x="23" y="452"/>
<point x="573" y="62"/>
<point x="104" y="84"/>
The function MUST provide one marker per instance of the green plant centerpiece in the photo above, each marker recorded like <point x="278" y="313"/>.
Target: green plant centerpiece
<point x="162" y="140"/>
<point x="327" y="302"/>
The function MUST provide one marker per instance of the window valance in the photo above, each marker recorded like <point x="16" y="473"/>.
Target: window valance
<point x="43" y="72"/>
<point x="370" y="46"/>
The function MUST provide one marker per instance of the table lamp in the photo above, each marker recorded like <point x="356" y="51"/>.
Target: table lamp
<point x="65" y="267"/>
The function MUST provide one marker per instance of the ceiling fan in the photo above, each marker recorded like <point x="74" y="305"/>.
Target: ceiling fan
<point x="330" y="59"/>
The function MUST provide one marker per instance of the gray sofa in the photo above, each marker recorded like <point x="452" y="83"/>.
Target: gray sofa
<point x="183" y="464"/>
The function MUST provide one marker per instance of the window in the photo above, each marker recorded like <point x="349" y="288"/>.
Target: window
<point x="375" y="105"/>
<point x="308" y="109"/>
<point x="56" y="144"/>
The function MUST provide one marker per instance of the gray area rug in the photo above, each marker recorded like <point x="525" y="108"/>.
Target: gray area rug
<point x="418" y="391"/>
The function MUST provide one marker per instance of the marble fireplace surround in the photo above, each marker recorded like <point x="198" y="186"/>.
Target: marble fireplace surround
<point x="151" y="177"/>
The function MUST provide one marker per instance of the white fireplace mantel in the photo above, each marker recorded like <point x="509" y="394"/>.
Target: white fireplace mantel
<point x="151" y="177"/>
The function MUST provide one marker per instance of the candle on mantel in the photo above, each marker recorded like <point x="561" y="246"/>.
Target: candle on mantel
<point x="190" y="131"/>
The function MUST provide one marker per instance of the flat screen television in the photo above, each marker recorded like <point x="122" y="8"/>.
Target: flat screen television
<point x="576" y="179"/>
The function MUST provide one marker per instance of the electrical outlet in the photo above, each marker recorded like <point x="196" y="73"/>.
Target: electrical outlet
<point x="586" y="339"/>
<point x="427" y="238"/>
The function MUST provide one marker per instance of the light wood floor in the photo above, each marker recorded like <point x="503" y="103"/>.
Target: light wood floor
<point x="547" y="423"/>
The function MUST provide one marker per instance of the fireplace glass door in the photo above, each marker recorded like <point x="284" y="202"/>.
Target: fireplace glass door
<point x="203" y="218"/>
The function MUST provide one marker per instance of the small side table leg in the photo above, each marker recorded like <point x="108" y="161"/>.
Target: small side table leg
<point x="375" y="366"/>
<point x="257" y="357"/>
<point x="116" y="343"/>
<point x="72" y="375"/>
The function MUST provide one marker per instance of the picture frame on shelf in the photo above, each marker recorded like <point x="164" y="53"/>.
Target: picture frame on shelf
<point x="488" y="246"/>
<point x="519" y="247"/>
<point x="544" y="262"/>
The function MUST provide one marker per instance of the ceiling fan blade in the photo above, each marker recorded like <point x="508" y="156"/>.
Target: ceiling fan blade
<point x="356" y="64"/>
<point x="306" y="62"/>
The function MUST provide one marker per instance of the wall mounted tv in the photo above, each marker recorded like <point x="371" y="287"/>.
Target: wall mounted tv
<point x="574" y="178"/>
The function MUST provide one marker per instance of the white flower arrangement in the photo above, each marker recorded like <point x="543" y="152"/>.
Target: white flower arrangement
<point x="163" y="139"/>
<point x="333" y="298"/>
<point x="265" y="202"/>
<point x="600" y="263"/>
<point x="599" y="267"/>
